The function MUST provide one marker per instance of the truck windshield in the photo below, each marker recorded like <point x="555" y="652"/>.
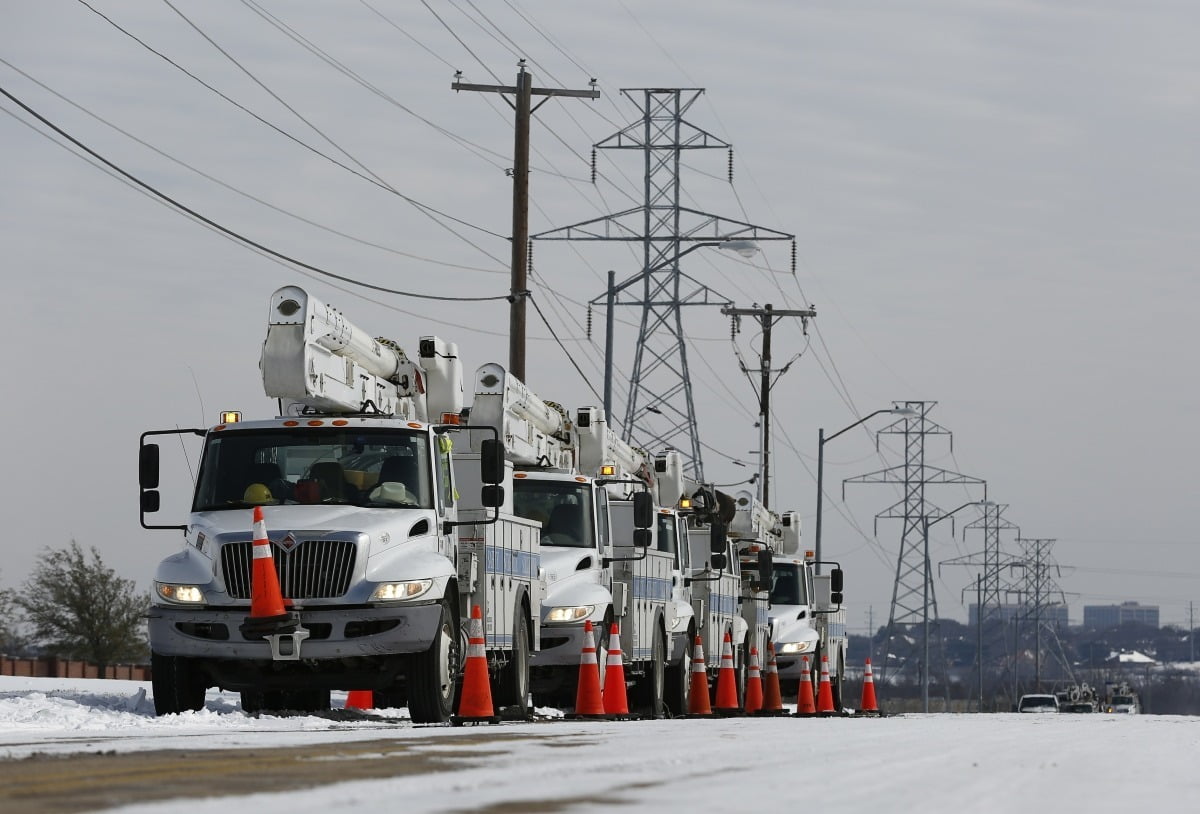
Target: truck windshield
<point x="563" y="509"/>
<point x="362" y="467"/>
<point x="787" y="584"/>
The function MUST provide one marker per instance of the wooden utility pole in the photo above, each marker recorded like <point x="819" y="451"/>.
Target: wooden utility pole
<point x="767" y="316"/>
<point x="523" y="93"/>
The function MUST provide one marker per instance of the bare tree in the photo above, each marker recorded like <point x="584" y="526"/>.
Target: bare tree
<point x="11" y="642"/>
<point x="79" y="608"/>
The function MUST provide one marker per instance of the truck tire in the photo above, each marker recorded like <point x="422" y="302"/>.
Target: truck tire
<point x="432" y="675"/>
<point x="649" y="694"/>
<point x="602" y="644"/>
<point x="836" y="683"/>
<point x="512" y="688"/>
<point x="679" y="679"/>
<point x="177" y="684"/>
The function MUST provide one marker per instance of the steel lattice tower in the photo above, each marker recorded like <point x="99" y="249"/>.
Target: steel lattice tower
<point x="913" y="587"/>
<point x="661" y="405"/>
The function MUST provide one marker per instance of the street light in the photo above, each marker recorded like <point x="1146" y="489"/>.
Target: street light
<point x="925" y="524"/>
<point x="821" y="441"/>
<point x="743" y="247"/>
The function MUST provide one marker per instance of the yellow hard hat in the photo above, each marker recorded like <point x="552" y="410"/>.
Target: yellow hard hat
<point x="258" y="493"/>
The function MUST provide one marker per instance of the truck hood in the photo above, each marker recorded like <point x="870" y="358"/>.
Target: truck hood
<point x="383" y="527"/>
<point x="792" y="623"/>
<point x="572" y="577"/>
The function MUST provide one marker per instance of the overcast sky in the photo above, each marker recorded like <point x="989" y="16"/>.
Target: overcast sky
<point x="995" y="206"/>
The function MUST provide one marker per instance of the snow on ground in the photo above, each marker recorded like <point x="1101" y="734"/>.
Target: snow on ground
<point x="925" y="763"/>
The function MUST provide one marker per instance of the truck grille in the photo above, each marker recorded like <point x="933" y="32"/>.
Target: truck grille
<point x="314" y="569"/>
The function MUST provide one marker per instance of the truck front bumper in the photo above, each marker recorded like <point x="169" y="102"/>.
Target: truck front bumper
<point x="332" y="633"/>
<point x="562" y="646"/>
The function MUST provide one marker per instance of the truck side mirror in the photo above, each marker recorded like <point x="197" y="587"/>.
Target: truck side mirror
<point x="150" y="501"/>
<point x="716" y="538"/>
<point x="492" y="495"/>
<point x="641" y="538"/>
<point x="491" y="462"/>
<point x="765" y="565"/>
<point x="148" y="467"/>
<point x="643" y="510"/>
<point x="717" y="561"/>
<point x="835" y="581"/>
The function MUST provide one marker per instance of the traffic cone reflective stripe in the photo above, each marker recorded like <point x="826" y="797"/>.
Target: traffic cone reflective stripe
<point x="615" y="700"/>
<point x="869" y="705"/>
<point x="267" y="612"/>
<point x="727" y="700"/>
<point x="589" y="703"/>
<point x="360" y="699"/>
<point x="754" y="693"/>
<point x="772" y="693"/>
<point x="475" y="703"/>
<point x="698" y="703"/>
<point x="805" y="705"/>
<point x="825" y="690"/>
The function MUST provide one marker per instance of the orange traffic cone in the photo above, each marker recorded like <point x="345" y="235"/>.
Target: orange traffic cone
<point x="267" y="613"/>
<point x="727" y="700"/>
<point x="869" y="705"/>
<point x="805" y="707"/>
<point x="475" y="704"/>
<point x="615" y="700"/>
<point x="698" y="703"/>
<point x="825" y="691"/>
<point x="588" y="701"/>
<point x="360" y="699"/>
<point x="754" y="691"/>
<point x="772" y="694"/>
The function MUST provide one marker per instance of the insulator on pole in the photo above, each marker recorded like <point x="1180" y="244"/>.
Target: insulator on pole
<point x="589" y="321"/>
<point x="529" y="258"/>
<point x="593" y="165"/>
<point x="793" y="257"/>
<point x="731" y="165"/>
<point x="732" y="326"/>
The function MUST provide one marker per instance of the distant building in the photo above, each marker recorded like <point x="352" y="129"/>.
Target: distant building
<point x="1053" y="615"/>
<point x="1100" y="617"/>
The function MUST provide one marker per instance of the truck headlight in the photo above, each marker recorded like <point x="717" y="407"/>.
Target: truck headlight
<point x="570" y="613"/>
<point x="179" y="594"/>
<point x="397" y="591"/>
<point x="793" y="647"/>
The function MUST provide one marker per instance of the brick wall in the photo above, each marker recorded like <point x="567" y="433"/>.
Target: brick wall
<point x="70" y="668"/>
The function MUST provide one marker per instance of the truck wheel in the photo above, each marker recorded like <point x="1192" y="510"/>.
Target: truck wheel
<point x="177" y="684"/>
<point x="679" y="679"/>
<point x="602" y="643"/>
<point x="432" y="674"/>
<point x="836" y="683"/>
<point x="650" y="687"/>
<point x="513" y="686"/>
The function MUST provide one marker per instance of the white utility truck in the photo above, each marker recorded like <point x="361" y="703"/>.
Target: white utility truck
<point x="378" y="557"/>
<point x="590" y="492"/>
<point x="807" y="618"/>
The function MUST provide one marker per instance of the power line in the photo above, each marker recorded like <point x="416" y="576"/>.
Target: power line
<point x="225" y="230"/>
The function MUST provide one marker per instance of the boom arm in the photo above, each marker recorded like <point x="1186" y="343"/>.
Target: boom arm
<point x="535" y="432"/>
<point x="316" y="358"/>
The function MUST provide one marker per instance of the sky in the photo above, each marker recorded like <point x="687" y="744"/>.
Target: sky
<point x="993" y="203"/>
<point x="934" y="763"/>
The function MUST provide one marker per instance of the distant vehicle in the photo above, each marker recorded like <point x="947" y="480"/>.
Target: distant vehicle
<point x="1038" y="702"/>
<point x="1122" y="699"/>
<point x="1078" y="698"/>
<point x="1125" y="704"/>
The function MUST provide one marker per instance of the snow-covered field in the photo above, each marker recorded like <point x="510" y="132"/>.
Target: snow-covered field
<point x="932" y="763"/>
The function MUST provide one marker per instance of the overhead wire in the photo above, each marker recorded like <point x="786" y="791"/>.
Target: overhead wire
<point x="241" y="192"/>
<point x="429" y="211"/>
<point x="226" y="230"/>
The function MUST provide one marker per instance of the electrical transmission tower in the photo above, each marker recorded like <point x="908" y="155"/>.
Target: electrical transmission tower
<point x="660" y="403"/>
<point x="1040" y="590"/>
<point x="992" y="561"/>
<point x="913" y="599"/>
